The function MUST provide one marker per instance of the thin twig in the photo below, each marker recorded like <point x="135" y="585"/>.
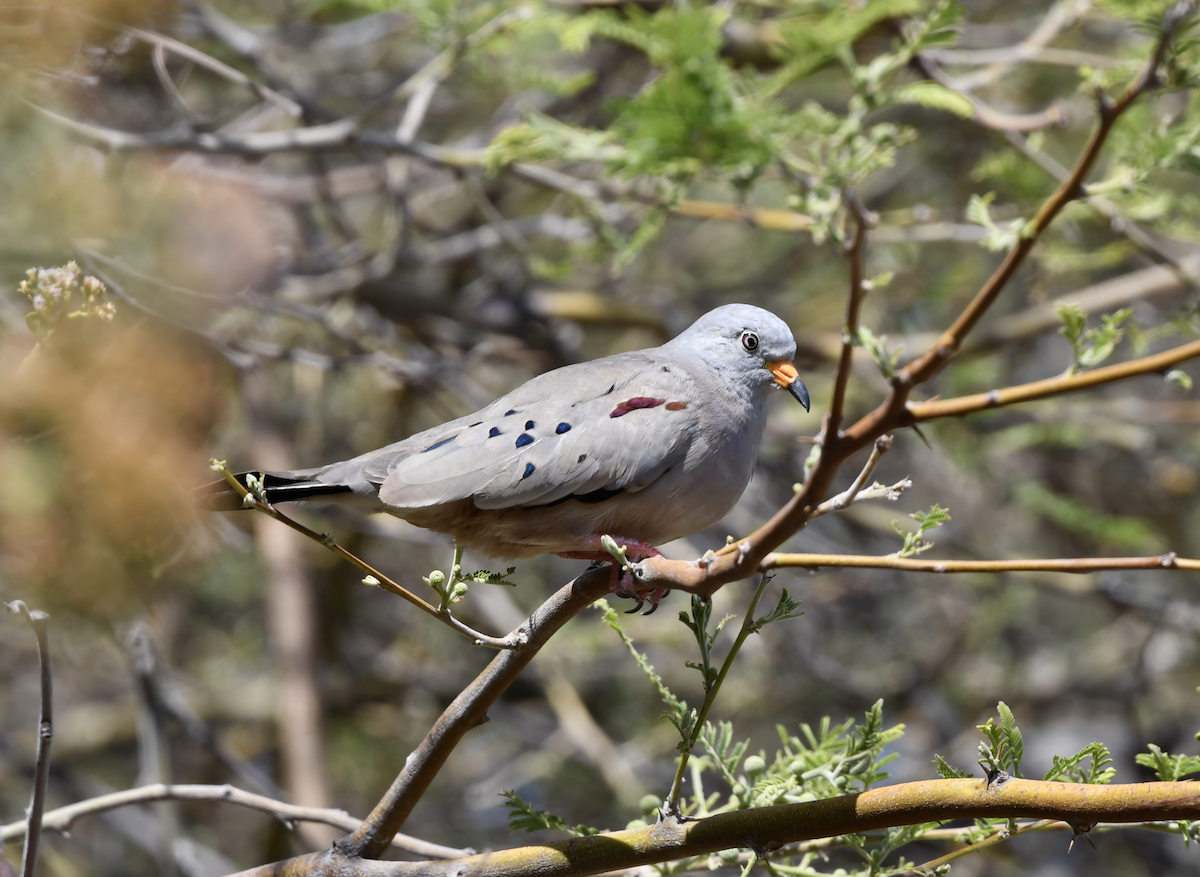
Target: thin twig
<point x="918" y="412"/>
<point x="670" y="809"/>
<point x="183" y="50"/>
<point x="37" y="799"/>
<point x="999" y="837"/>
<point x="63" y="818"/>
<point x="883" y="444"/>
<point x="380" y="579"/>
<point x="1078" y="565"/>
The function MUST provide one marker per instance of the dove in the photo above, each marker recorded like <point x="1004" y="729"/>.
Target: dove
<point x="645" y="447"/>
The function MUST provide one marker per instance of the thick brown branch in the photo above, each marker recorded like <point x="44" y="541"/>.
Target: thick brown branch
<point x="920" y="564"/>
<point x="1159" y="362"/>
<point x="771" y="827"/>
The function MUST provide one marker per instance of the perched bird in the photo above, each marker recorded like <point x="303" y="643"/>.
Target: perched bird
<point x="646" y="447"/>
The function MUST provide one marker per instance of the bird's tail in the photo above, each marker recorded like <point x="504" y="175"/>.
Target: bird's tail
<point x="219" y="496"/>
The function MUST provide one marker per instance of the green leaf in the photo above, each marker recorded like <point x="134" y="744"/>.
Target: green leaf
<point x="914" y="541"/>
<point x="947" y="772"/>
<point x="522" y="816"/>
<point x="1179" y="378"/>
<point x="935" y="96"/>
<point x="1169" y="768"/>
<point x="998" y="237"/>
<point x="1069" y="768"/>
<point x="886" y="360"/>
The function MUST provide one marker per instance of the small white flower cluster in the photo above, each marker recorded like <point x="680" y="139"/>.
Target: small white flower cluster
<point x="50" y="290"/>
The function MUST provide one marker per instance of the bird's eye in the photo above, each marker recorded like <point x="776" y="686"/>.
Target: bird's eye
<point x="750" y="341"/>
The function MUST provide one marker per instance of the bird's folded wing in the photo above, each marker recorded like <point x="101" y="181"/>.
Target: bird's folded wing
<point x="579" y="431"/>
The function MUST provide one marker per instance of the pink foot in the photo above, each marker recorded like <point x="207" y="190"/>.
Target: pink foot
<point x="622" y="584"/>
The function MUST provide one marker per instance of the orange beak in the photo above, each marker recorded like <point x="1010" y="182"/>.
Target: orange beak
<point x="787" y="377"/>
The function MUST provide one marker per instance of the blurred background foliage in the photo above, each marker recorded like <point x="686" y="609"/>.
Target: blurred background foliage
<point x="552" y="182"/>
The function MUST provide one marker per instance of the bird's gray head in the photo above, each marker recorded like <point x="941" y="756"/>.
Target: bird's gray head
<point x="746" y="346"/>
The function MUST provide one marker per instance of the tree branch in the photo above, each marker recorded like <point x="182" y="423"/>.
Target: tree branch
<point x="467" y="711"/>
<point x="770" y="827"/>
<point x="380" y="579"/>
<point x="919" y="412"/>
<point x="37" y="799"/>
<point x="1079" y="565"/>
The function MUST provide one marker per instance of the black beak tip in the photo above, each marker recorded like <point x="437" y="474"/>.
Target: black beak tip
<point x="800" y="392"/>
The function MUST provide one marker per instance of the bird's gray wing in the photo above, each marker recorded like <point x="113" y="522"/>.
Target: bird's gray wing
<point x="587" y="430"/>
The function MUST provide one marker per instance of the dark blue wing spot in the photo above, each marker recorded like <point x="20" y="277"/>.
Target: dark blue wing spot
<point x="562" y="427"/>
<point x="524" y="439"/>
<point x="582" y="457"/>
<point x="444" y="441"/>
<point x="510" y="411"/>
<point x="529" y="467"/>
<point x="493" y="432"/>
<point x="476" y="423"/>
<point x="529" y="424"/>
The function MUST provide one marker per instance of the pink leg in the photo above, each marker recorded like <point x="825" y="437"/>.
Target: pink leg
<point x="635" y="550"/>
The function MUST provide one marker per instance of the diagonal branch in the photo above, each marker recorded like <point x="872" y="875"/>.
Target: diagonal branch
<point x="918" y="412"/>
<point x="379" y="579"/>
<point x="467" y="711"/>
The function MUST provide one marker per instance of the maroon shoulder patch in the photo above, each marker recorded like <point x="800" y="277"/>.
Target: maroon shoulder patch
<point x="634" y="404"/>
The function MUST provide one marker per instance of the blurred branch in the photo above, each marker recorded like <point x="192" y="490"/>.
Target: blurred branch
<point x="32" y="828"/>
<point x="921" y="411"/>
<point x="379" y="579"/>
<point x="1060" y="17"/>
<point x="1066" y="565"/>
<point x="292" y="629"/>
<point x="1102" y="296"/>
<point x="761" y="217"/>
<point x="62" y="819"/>
<point x="208" y="62"/>
<point x="1004" y="834"/>
<point x="855" y="252"/>
<point x="1007" y="56"/>
<point x="1118" y="223"/>
<point x="153" y="744"/>
<point x="770" y="827"/>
